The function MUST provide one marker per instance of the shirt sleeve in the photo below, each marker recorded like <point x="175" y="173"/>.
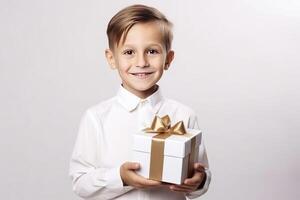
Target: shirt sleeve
<point x="90" y="180"/>
<point x="193" y="123"/>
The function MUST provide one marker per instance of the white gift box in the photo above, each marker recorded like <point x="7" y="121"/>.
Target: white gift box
<point x="177" y="149"/>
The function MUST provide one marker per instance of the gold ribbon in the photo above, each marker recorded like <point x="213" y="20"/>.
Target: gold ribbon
<point x="163" y="127"/>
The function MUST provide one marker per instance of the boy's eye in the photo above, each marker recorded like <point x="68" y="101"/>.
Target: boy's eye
<point x="152" y="51"/>
<point x="128" y="52"/>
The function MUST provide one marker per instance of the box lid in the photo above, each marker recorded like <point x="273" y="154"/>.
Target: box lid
<point x="175" y="145"/>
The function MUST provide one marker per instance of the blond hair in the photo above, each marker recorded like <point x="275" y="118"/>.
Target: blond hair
<point x="125" y="19"/>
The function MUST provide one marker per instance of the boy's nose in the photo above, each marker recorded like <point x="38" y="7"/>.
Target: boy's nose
<point x="142" y="61"/>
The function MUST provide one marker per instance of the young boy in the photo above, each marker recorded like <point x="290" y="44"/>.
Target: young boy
<point x="140" y="50"/>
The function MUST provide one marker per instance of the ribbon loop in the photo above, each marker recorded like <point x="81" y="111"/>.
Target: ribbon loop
<point x="163" y="126"/>
<point x="178" y="128"/>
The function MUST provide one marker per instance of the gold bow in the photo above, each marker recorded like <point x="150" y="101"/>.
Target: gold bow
<point x="163" y="126"/>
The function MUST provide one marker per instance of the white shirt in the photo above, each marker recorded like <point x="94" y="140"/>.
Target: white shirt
<point x="104" y="143"/>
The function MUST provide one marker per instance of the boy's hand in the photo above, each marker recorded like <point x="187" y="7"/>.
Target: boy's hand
<point x="129" y="176"/>
<point x="191" y="184"/>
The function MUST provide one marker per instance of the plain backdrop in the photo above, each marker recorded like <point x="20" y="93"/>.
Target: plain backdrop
<point x="237" y="64"/>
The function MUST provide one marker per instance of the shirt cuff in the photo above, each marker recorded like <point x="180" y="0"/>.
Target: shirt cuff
<point x="203" y="190"/>
<point x="114" y="181"/>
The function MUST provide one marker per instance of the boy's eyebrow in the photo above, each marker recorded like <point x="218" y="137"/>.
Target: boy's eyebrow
<point x="148" y="45"/>
<point x="155" y="44"/>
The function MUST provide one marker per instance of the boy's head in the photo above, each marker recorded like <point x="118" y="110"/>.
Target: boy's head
<point x="126" y="18"/>
<point x="139" y="47"/>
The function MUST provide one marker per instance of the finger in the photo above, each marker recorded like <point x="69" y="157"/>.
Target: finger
<point x="172" y="184"/>
<point x="195" y="180"/>
<point x="143" y="182"/>
<point x="132" y="166"/>
<point x="148" y="182"/>
<point x="167" y="184"/>
<point x="183" y="186"/>
<point x="180" y="189"/>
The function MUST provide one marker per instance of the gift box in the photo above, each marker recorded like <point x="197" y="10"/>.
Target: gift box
<point x="166" y="153"/>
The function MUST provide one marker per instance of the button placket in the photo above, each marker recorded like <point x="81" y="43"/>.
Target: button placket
<point x="145" y="113"/>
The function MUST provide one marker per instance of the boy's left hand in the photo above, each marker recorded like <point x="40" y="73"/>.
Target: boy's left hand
<point x="191" y="184"/>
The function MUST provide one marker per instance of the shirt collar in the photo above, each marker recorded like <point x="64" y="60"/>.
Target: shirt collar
<point x="130" y="101"/>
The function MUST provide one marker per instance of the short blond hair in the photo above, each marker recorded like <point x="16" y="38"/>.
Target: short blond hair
<point x="125" y="19"/>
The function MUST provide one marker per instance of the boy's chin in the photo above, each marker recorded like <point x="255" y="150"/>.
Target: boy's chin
<point x="147" y="88"/>
<point x="145" y="91"/>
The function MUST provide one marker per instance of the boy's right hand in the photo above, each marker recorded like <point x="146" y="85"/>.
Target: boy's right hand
<point x="130" y="177"/>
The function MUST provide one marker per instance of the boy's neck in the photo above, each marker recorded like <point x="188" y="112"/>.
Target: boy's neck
<point x="143" y="94"/>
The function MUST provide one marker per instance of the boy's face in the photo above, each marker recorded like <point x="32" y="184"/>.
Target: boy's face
<point x="141" y="59"/>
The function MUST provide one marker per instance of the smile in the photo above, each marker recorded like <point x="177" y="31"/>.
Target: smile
<point x="142" y="75"/>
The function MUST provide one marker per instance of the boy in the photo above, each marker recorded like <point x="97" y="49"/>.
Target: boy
<point x="140" y="50"/>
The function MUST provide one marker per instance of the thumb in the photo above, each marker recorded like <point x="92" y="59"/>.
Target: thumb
<point x="199" y="167"/>
<point x="132" y="166"/>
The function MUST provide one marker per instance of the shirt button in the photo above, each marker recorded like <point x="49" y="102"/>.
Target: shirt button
<point x="143" y="101"/>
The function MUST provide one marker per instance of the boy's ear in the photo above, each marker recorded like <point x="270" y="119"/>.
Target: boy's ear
<point x="110" y="58"/>
<point x="169" y="59"/>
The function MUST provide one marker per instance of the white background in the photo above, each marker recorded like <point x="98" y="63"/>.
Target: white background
<point x="237" y="64"/>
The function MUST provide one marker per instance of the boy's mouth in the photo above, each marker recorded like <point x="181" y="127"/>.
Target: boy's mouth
<point x="142" y="75"/>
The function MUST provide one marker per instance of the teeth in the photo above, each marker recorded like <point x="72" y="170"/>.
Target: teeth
<point x="141" y="75"/>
